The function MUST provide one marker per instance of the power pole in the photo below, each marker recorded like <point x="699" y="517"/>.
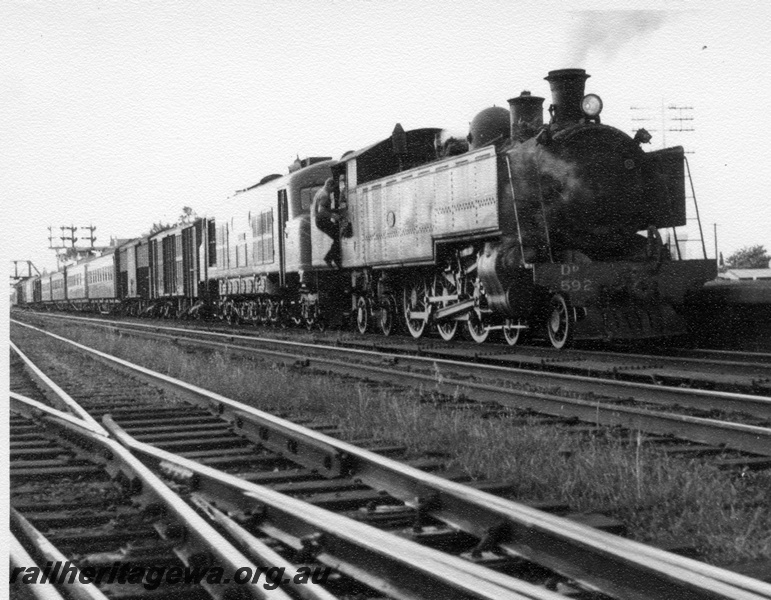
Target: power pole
<point x="672" y="118"/>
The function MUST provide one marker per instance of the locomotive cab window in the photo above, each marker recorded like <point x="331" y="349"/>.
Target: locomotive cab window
<point x="306" y="196"/>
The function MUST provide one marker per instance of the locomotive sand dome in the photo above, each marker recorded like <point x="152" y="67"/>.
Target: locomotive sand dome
<point x="489" y="126"/>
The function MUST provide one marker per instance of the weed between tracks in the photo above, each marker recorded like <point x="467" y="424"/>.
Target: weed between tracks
<point x="725" y="514"/>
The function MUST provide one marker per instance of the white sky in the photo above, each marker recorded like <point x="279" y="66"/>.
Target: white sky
<point x="119" y="113"/>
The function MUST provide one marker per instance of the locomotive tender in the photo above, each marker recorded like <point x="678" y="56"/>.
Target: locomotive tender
<point x="551" y="227"/>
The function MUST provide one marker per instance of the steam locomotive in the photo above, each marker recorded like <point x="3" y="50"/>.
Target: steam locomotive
<point x="548" y="227"/>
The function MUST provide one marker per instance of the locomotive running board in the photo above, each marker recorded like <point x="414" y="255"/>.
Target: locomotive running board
<point x="454" y="309"/>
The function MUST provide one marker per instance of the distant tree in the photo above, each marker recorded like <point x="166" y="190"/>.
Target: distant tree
<point x="188" y="215"/>
<point x="749" y="257"/>
<point x="158" y="227"/>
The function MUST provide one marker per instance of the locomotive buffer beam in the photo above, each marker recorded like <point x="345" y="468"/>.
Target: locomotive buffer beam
<point x="453" y="310"/>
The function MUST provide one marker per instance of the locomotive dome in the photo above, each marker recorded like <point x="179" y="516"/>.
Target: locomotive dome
<point x="490" y="124"/>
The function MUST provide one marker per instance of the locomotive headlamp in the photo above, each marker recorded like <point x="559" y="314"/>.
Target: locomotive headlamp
<point x="591" y="105"/>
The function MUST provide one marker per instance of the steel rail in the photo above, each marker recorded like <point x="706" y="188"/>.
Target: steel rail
<point x="50" y="553"/>
<point x="614" y="565"/>
<point x="19" y="558"/>
<point x="763" y="358"/>
<point x="394" y="565"/>
<point x="200" y="538"/>
<point x="52" y="391"/>
<point x="388" y="563"/>
<point x="735" y="436"/>
<point x="758" y="406"/>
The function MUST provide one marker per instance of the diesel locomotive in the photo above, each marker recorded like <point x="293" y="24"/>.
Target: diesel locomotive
<point x="547" y="227"/>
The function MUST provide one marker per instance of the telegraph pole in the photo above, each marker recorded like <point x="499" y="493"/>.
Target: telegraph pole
<point x="673" y="118"/>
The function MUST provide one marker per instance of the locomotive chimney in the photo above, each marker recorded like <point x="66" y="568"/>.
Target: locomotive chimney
<point x="567" y="89"/>
<point x="526" y="114"/>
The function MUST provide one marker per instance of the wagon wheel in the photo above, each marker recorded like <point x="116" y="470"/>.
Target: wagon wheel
<point x="416" y="300"/>
<point x="511" y="332"/>
<point x="262" y="311"/>
<point x="387" y="318"/>
<point x="311" y="315"/>
<point x="167" y="311"/>
<point x="231" y="313"/>
<point x="362" y="314"/>
<point x="559" y="324"/>
<point x="444" y="286"/>
<point x="249" y="312"/>
<point x="271" y="311"/>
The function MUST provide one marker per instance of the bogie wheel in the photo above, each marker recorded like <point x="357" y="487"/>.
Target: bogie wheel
<point x="311" y="319"/>
<point x="415" y="300"/>
<point x="271" y="311"/>
<point x="232" y="315"/>
<point x="512" y="332"/>
<point x="476" y="329"/>
<point x="559" y="324"/>
<point x="362" y="315"/>
<point x="387" y="318"/>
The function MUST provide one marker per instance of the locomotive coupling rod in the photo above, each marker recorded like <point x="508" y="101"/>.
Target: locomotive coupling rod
<point x="454" y="310"/>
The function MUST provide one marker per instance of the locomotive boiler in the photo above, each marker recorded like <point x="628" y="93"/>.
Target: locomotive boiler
<point x="551" y="226"/>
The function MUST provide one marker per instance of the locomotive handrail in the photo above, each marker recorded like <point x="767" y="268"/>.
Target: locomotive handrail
<point x="695" y="205"/>
<point x="543" y="208"/>
<point x="516" y="213"/>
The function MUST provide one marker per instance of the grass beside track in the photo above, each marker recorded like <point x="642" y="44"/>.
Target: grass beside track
<point x="725" y="515"/>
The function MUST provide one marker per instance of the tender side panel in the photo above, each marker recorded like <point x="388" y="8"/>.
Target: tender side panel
<point x="397" y="219"/>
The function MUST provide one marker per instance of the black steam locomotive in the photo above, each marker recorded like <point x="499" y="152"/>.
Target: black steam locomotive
<point x="548" y="227"/>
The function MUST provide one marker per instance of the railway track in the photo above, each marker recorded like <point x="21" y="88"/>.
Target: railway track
<point x="99" y="507"/>
<point x="727" y="371"/>
<point x="81" y="505"/>
<point x="189" y="447"/>
<point x="742" y="426"/>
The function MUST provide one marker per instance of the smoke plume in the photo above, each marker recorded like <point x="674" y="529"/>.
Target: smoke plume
<point x="607" y="31"/>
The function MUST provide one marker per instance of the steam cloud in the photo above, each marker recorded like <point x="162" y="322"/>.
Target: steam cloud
<point x="607" y="31"/>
